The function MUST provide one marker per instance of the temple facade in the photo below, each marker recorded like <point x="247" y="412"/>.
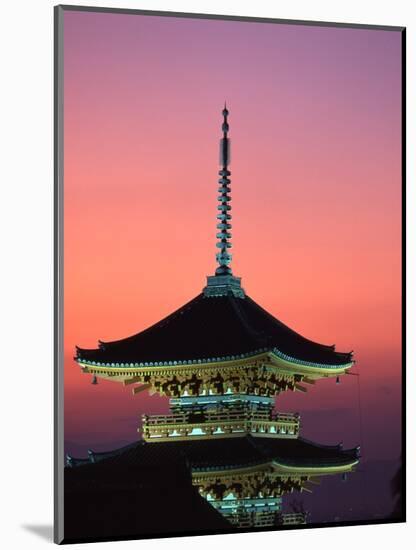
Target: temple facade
<point x="222" y="359"/>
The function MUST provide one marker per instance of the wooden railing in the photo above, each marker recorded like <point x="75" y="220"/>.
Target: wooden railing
<point x="223" y="423"/>
<point x="219" y="416"/>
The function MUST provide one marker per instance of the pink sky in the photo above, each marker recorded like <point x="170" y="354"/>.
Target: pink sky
<point x="315" y="125"/>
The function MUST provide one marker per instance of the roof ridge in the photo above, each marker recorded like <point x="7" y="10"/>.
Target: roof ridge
<point x="294" y="332"/>
<point x="337" y="446"/>
<point x="236" y="305"/>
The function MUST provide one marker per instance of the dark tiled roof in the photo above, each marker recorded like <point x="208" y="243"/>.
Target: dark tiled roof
<point x="145" y="489"/>
<point x="210" y="327"/>
<point x="119" y="497"/>
<point x="219" y="453"/>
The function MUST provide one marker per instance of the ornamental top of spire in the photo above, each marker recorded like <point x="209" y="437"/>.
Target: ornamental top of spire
<point x="224" y="282"/>
<point x="225" y="126"/>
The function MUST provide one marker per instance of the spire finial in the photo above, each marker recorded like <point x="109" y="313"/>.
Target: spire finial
<point x="224" y="283"/>
<point x="224" y="217"/>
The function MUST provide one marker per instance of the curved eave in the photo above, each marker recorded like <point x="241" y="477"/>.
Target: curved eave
<point x="319" y="469"/>
<point x="291" y="364"/>
<point x="280" y="467"/>
<point x="283" y="362"/>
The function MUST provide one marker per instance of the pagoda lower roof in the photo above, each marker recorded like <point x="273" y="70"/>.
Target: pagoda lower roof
<point x="145" y="489"/>
<point x="122" y="497"/>
<point x="210" y="328"/>
<point x="221" y="454"/>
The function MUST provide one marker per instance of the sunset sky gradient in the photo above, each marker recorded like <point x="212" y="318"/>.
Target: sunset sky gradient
<point x="315" y="127"/>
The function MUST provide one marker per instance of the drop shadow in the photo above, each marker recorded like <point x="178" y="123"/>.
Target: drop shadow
<point x="43" y="531"/>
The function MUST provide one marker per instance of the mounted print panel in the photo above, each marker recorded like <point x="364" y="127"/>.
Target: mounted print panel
<point x="229" y="345"/>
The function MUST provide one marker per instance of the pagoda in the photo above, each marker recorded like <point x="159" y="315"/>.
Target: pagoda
<point x="222" y="359"/>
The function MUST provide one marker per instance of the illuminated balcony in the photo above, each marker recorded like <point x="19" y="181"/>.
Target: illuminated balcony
<point x="235" y="422"/>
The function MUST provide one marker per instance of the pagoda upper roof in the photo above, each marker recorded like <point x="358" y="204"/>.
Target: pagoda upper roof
<point x="214" y="328"/>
